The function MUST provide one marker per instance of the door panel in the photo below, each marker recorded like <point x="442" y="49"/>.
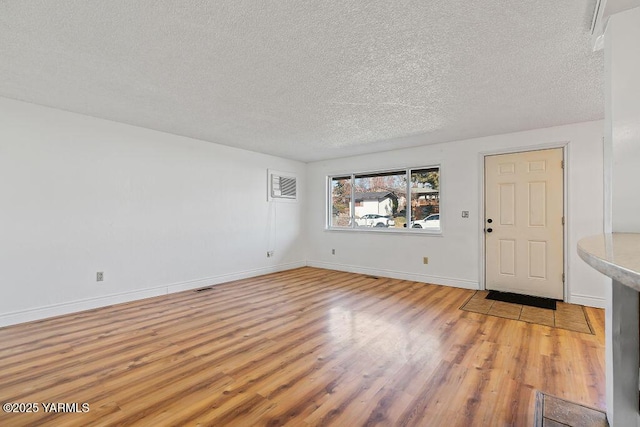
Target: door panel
<point x="507" y="257"/>
<point x="523" y="231"/>
<point x="537" y="204"/>
<point x="537" y="260"/>
<point x="507" y="204"/>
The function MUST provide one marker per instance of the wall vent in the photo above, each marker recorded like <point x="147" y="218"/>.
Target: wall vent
<point x="282" y="186"/>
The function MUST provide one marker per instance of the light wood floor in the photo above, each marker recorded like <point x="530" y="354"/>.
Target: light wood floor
<point x="302" y="347"/>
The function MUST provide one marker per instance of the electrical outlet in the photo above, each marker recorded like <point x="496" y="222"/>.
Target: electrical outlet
<point x="269" y="254"/>
<point x="333" y="251"/>
<point x="425" y="260"/>
<point x="100" y="276"/>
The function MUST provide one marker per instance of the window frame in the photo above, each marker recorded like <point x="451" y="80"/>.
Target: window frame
<point x="352" y="176"/>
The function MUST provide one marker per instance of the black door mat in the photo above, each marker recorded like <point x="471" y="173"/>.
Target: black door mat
<point x="522" y="299"/>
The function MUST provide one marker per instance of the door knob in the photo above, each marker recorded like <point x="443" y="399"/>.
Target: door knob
<point x="489" y="220"/>
<point x="489" y="230"/>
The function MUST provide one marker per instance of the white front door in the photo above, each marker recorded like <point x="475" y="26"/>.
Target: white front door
<point x="524" y="223"/>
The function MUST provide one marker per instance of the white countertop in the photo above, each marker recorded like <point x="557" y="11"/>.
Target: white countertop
<point x="616" y="255"/>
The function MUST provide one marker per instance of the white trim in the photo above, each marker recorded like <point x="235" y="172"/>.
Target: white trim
<point x="607" y="180"/>
<point x="92" y="303"/>
<point x="604" y="9"/>
<point x="224" y="278"/>
<point x="565" y="229"/>
<point x="394" y="274"/>
<point x="390" y="230"/>
<point x="587" y="300"/>
<point x="564" y="145"/>
<point x="481" y="240"/>
<point x="102" y="301"/>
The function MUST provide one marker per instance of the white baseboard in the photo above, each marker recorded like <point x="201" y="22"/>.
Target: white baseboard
<point x="394" y="274"/>
<point x="224" y="278"/>
<point x="587" y="300"/>
<point x="39" y="313"/>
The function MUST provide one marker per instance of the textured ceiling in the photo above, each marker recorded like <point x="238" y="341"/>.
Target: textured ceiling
<point x="308" y="80"/>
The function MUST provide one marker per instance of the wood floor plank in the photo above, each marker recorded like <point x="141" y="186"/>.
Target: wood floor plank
<point x="303" y="347"/>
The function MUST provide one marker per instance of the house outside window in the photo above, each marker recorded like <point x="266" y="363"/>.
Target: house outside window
<point x="400" y="200"/>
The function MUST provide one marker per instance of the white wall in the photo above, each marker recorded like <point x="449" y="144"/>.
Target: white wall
<point x="622" y="143"/>
<point x="156" y="212"/>
<point x="623" y="105"/>
<point x="160" y="213"/>
<point x="454" y="257"/>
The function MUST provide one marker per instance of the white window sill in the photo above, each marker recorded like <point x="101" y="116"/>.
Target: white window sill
<point x="380" y="230"/>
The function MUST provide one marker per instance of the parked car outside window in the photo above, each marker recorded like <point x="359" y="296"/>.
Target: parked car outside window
<point x="432" y="221"/>
<point x="375" y="220"/>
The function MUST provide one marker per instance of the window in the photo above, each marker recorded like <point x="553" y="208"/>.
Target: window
<point x="425" y="198"/>
<point x="340" y="215"/>
<point x="407" y="199"/>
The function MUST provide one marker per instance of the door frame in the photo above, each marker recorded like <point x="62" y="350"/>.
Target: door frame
<point x="564" y="145"/>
